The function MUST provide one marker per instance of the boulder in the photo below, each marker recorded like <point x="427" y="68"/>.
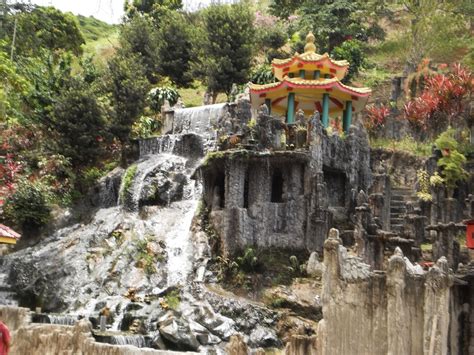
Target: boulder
<point x="177" y="331"/>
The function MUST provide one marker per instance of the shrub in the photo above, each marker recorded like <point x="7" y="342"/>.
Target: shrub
<point x="452" y="161"/>
<point x="28" y="206"/>
<point x="145" y="127"/>
<point x="158" y="95"/>
<point x="128" y="179"/>
<point x="376" y="116"/>
<point x="352" y="51"/>
<point x="262" y="75"/>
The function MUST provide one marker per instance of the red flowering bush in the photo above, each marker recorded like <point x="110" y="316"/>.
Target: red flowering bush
<point x="443" y="99"/>
<point x="376" y="116"/>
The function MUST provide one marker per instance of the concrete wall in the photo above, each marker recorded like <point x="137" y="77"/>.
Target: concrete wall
<point x="393" y="312"/>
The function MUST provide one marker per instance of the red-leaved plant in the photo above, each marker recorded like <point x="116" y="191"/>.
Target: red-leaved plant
<point x="443" y="99"/>
<point x="376" y="116"/>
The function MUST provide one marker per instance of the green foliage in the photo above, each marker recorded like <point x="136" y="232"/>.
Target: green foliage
<point x="407" y="144"/>
<point x="284" y="8"/>
<point x="227" y="48"/>
<point x="145" y="127"/>
<point x="262" y="75"/>
<point x="335" y="21"/>
<point x="423" y="192"/>
<point x="452" y="161"/>
<point x="93" y="29"/>
<point x="127" y="179"/>
<point x="78" y="119"/>
<point x="139" y="41"/>
<point x="249" y="262"/>
<point x="13" y="87"/>
<point x="47" y="28"/>
<point x="353" y="52"/>
<point x="175" y="49"/>
<point x="150" y="7"/>
<point x="145" y="258"/>
<point x="158" y="95"/>
<point x="28" y="206"/>
<point x="173" y="299"/>
<point x="128" y="86"/>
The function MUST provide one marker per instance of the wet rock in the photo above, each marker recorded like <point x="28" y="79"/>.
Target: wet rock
<point x="216" y="323"/>
<point x="264" y="337"/>
<point x="178" y="332"/>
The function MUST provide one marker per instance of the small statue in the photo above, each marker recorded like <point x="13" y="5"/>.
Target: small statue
<point x="262" y="110"/>
<point x="299" y="117"/>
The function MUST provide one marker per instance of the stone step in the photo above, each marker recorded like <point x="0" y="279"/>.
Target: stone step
<point x="397" y="204"/>
<point x="396" y="227"/>
<point x="398" y="209"/>
<point x="396" y="221"/>
<point x="398" y="198"/>
<point x="402" y="192"/>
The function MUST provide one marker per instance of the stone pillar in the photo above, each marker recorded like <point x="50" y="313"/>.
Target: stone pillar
<point x="290" y="116"/>
<point x="347" y="117"/>
<point x="268" y="103"/>
<point x="325" y="110"/>
<point x="398" y="315"/>
<point x="436" y="309"/>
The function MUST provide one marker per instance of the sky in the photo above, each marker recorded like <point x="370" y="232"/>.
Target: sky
<point x="106" y="10"/>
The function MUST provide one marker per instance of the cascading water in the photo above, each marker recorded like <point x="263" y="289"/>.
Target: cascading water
<point x="6" y="294"/>
<point x="201" y="120"/>
<point x="84" y="268"/>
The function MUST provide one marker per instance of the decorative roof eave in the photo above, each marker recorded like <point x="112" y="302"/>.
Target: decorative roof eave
<point x="296" y="83"/>
<point x="7" y="232"/>
<point x="309" y="58"/>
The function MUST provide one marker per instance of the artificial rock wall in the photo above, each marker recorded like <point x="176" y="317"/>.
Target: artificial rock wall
<point x="392" y="312"/>
<point x="286" y="199"/>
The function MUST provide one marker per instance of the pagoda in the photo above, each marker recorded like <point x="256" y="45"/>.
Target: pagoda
<point x="310" y="82"/>
<point x="8" y="235"/>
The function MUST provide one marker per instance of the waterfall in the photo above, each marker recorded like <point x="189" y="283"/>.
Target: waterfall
<point x="158" y="145"/>
<point x="201" y="120"/>
<point x="7" y="297"/>
<point x="136" y="340"/>
<point x="59" y="319"/>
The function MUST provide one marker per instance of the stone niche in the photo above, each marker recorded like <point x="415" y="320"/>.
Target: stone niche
<point x="257" y="199"/>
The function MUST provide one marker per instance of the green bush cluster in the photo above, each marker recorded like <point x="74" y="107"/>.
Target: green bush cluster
<point x="29" y="205"/>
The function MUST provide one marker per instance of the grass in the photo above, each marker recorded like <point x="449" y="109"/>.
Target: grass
<point x="374" y="76"/>
<point x="173" y="299"/>
<point x="194" y="96"/>
<point x="407" y="144"/>
<point x="128" y="179"/>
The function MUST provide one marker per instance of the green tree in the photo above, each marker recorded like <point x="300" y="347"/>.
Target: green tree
<point x="128" y="89"/>
<point x="149" y="6"/>
<point x="284" y="8"/>
<point x="44" y="28"/>
<point x="175" y="49"/>
<point x="335" y="21"/>
<point x="436" y="29"/>
<point x="80" y="124"/>
<point x="139" y="37"/>
<point x="228" y="46"/>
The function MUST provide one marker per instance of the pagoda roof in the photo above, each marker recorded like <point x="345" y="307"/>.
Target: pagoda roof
<point x="8" y="235"/>
<point x="309" y="94"/>
<point x="310" y="60"/>
<point x="299" y="83"/>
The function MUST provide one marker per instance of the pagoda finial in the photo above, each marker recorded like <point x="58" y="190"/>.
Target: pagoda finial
<point x="310" y="47"/>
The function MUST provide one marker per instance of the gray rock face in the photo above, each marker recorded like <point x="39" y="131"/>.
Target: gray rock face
<point x="177" y="331"/>
<point x="264" y="337"/>
<point x="286" y="199"/>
